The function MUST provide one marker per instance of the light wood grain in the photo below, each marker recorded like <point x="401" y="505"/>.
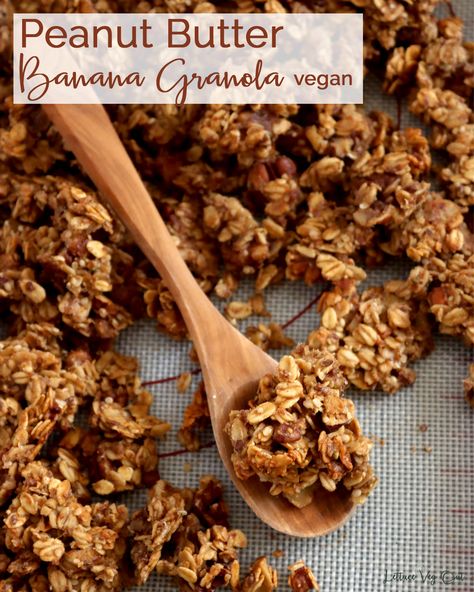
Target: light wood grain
<point x="231" y="364"/>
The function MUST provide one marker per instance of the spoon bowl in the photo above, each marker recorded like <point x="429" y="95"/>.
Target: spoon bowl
<point x="328" y="511"/>
<point x="232" y="366"/>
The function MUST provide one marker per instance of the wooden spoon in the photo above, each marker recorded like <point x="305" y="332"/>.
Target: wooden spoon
<point x="231" y="364"/>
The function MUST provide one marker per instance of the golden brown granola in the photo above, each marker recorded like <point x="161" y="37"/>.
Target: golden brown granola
<point x="119" y="451"/>
<point x="436" y="229"/>
<point x="184" y="533"/>
<point x="374" y="335"/>
<point x="439" y="67"/>
<point x="42" y="387"/>
<point x="300" y="433"/>
<point x="40" y="390"/>
<point x="154" y="526"/>
<point x="54" y="267"/>
<point x="450" y="287"/>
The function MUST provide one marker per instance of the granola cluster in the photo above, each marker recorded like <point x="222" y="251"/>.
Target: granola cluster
<point x="300" y="433"/>
<point x="374" y="335"/>
<point x="53" y="542"/>
<point x="439" y="68"/>
<point x="185" y="534"/>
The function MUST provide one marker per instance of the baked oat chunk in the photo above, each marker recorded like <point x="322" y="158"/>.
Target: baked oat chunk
<point x="154" y="526"/>
<point x="436" y="72"/>
<point x="54" y="538"/>
<point x="453" y="130"/>
<point x="248" y="131"/>
<point x="379" y="172"/>
<point x="42" y="387"/>
<point x="28" y="142"/>
<point x="184" y="533"/>
<point x="374" y="335"/>
<point x="268" y="336"/>
<point x="299" y="431"/>
<point x="243" y="242"/>
<point x="327" y="240"/>
<point x="119" y="452"/>
<point x="451" y="294"/>
<point x="39" y="391"/>
<point x="441" y="72"/>
<point x="442" y="60"/>
<point x="121" y="405"/>
<point x="436" y="229"/>
<point x="108" y="464"/>
<point x="389" y="182"/>
<point x="54" y="267"/>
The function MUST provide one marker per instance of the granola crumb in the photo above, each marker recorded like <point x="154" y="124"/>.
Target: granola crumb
<point x="260" y="577"/>
<point x="183" y="382"/>
<point x="301" y="578"/>
<point x="195" y="420"/>
<point x="378" y="440"/>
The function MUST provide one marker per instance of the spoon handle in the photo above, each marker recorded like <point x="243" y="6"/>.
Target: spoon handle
<point x="89" y="133"/>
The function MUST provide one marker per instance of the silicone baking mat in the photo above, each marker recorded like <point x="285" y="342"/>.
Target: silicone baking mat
<point x="419" y="520"/>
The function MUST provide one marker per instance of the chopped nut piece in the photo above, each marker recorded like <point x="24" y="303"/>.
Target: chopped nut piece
<point x="301" y="578"/>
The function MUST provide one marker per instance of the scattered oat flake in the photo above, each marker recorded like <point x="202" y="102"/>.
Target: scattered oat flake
<point x="183" y="382"/>
<point x="239" y="310"/>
